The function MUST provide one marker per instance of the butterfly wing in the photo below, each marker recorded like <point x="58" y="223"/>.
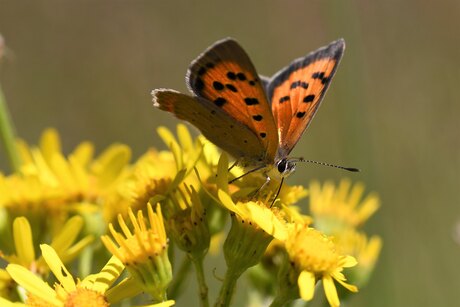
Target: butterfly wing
<point x="225" y="76"/>
<point x="215" y="124"/>
<point x="296" y="92"/>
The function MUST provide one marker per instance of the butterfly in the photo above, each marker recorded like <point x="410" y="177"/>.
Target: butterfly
<point x="258" y="120"/>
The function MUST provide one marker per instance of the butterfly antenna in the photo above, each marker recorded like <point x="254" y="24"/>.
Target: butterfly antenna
<point x="277" y="192"/>
<point x="350" y="169"/>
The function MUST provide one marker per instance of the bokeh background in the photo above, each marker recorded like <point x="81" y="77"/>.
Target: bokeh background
<point x="87" y="68"/>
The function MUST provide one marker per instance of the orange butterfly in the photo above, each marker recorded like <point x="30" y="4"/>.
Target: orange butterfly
<point x="231" y="104"/>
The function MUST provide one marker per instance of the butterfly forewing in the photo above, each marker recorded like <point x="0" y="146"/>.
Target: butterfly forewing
<point x="216" y="125"/>
<point x="225" y="76"/>
<point x="296" y="92"/>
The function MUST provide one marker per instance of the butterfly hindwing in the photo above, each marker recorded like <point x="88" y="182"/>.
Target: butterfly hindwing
<point x="225" y="76"/>
<point x="218" y="127"/>
<point x="296" y="92"/>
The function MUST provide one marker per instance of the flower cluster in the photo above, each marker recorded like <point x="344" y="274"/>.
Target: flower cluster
<point x="56" y="210"/>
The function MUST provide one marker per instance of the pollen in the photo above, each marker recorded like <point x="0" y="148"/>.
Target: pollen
<point x="313" y="251"/>
<point x="85" y="297"/>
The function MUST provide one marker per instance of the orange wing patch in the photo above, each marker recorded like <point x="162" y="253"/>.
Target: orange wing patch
<point x="297" y="91"/>
<point x="225" y="76"/>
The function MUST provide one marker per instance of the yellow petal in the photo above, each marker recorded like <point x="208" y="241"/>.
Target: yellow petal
<point x="24" y="152"/>
<point x="349" y="261"/>
<point x="83" y="153"/>
<point x="227" y="201"/>
<point x="306" y="283"/>
<point x="67" y="234"/>
<point x="170" y="141"/>
<point x="163" y="304"/>
<point x="109" y="165"/>
<point x="61" y="168"/>
<point x="185" y="138"/>
<point x="222" y="173"/>
<point x="57" y="267"/>
<point x="50" y="143"/>
<point x="6" y="303"/>
<point x="340" y="278"/>
<point x="72" y="252"/>
<point x="23" y="240"/>
<point x="100" y="282"/>
<point x="330" y="291"/>
<point x="266" y="219"/>
<point x="129" y="287"/>
<point x="216" y="243"/>
<point x="33" y="284"/>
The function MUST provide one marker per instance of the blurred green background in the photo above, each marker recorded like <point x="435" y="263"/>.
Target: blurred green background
<point x="87" y="68"/>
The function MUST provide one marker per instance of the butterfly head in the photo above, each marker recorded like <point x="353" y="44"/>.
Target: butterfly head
<point x="285" y="166"/>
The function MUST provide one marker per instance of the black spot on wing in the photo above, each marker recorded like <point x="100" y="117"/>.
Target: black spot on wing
<point x="284" y="98"/>
<point x="241" y="76"/>
<point x="199" y="84"/>
<point x="251" y="101"/>
<point x="263" y="135"/>
<point x="308" y="98"/>
<point x="299" y="84"/>
<point x="201" y="71"/>
<point x="220" y="101"/>
<point x="300" y="114"/>
<point x="257" y="117"/>
<point x="318" y="75"/>
<point x="231" y="75"/>
<point x="231" y="87"/>
<point x="217" y="85"/>
<point x="332" y="51"/>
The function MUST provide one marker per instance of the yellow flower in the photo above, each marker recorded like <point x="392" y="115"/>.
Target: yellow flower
<point x="158" y="173"/>
<point x="186" y="222"/>
<point x="250" y="187"/>
<point x="335" y="209"/>
<point x="144" y="252"/>
<point x="257" y="214"/>
<point x="49" y="185"/>
<point x="314" y="257"/>
<point x="365" y="250"/>
<point x="150" y="175"/>
<point x="63" y="244"/>
<point x="254" y="225"/>
<point x="90" y="291"/>
<point x="338" y="211"/>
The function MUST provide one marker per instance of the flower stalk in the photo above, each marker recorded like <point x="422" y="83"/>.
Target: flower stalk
<point x="7" y="133"/>
<point x="202" y="287"/>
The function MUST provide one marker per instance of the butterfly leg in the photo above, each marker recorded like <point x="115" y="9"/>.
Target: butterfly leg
<point x="247" y="173"/>
<point x="233" y="165"/>
<point x="254" y="194"/>
<point x="277" y="192"/>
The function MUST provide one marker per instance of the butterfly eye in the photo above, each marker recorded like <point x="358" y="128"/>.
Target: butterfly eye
<point x="282" y="165"/>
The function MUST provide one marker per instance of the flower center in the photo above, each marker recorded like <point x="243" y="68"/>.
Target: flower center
<point x="85" y="297"/>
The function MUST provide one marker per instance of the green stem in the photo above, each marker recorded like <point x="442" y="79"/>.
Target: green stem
<point x="228" y="287"/>
<point x="280" y="301"/>
<point x="7" y="135"/>
<point x="287" y="284"/>
<point x="179" y="278"/>
<point x="203" y="288"/>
